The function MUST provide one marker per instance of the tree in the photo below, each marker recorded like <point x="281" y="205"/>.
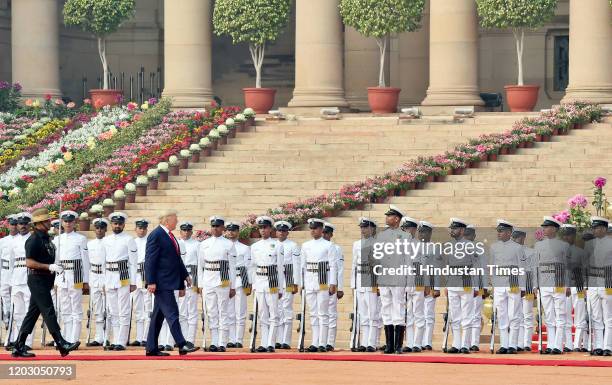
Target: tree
<point x="255" y="22"/>
<point x="101" y="18"/>
<point x="517" y="15"/>
<point x="381" y="18"/>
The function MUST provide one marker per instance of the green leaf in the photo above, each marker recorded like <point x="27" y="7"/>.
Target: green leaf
<point x="379" y="18"/>
<point x="515" y="13"/>
<point x="99" y="17"/>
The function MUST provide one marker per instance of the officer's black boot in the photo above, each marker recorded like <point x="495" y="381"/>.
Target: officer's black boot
<point x="64" y="346"/>
<point x="399" y="338"/>
<point x="389" y="346"/>
<point x="19" y="350"/>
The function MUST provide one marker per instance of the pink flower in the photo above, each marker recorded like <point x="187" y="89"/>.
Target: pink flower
<point x="59" y="102"/>
<point x="578" y="200"/>
<point x="48" y="97"/>
<point x="562" y="216"/>
<point x="600" y="182"/>
<point x="86" y="101"/>
<point x="539" y="234"/>
<point x="70" y="105"/>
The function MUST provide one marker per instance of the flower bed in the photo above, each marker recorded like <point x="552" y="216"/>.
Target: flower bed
<point x="412" y="174"/>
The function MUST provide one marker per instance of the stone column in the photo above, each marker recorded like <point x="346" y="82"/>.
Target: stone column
<point x="453" y="54"/>
<point x="361" y="61"/>
<point x="318" y="55"/>
<point x="35" y="47"/>
<point x="590" y="52"/>
<point x="187" y="52"/>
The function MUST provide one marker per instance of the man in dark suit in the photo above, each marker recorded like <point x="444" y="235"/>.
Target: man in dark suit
<point x="165" y="272"/>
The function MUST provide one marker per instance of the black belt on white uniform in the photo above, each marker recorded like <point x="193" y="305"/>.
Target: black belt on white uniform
<point x="123" y="268"/>
<point x="95" y="269"/>
<point x="76" y="266"/>
<point x="222" y="266"/>
<point x="5" y="264"/>
<point x="20" y="262"/>
<point x="270" y="271"/>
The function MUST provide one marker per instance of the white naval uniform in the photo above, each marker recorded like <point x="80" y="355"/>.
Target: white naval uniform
<point x="600" y="296"/>
<point x="554" y="300"/>
<point x="415" y="300"/>
<point x="430" y="259"/>
<point x="577" y="266"/>
<point x="291" y="268"/>
<point x="188" y="305"/>
<point x="97" y="260"/>
<point x="121" y="253"/>
<point x="267" y="255"/>
<point x="367" y="294"/>
<point x="507" y="291"/>
<point x="527" y="317"/>
<point x="392" y="294"/>
<point x="237" y="305"/>
<point x="20" y="292"/>
<point x="141" y="298"/>
<point x="74" y="257"/>
<point x="333" y="299"/>
<point x="213" y="253"/>
<point x="5" y="277"/>
<point x="314" y="254"/>
<point x="480" y="283"/>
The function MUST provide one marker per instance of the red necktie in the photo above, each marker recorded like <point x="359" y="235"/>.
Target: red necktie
<point x="174" y="242"/>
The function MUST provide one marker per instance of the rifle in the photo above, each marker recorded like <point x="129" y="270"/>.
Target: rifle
<point x="253" y="318"/>
<point x="10" y="326"/>
<point x="130" y="326"/>
<point x="302" y="315"/>
<point x="446" y="326"/>
<point x="539" y="313"/>
<point x="493" y="322"/>
<point x="2" y="318"/>
<point x="204" y="347"/>
<point x="43" y="336"/>
<point x="105" y="344"/>
<point x="88" y="326"/>
<point x="354" y="316"/>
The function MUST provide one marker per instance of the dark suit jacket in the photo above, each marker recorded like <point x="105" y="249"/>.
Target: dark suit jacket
<point x="163" y="264"/>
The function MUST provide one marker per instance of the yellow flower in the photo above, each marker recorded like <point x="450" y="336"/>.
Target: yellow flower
<point x="145" y="106"/>
<point x="36" y="103"/>
<point x="67" y="156"/>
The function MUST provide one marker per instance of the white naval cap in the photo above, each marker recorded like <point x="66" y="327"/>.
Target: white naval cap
<point x="409" y="222"/>
<point x="457" y="222"/>
<point x="264" y="220"/>
<point x="550" y="221"/>
<point x="118" y="217"/>
<point x="282" y="225"/>
<point x="367" y="222"/>
<point x="12" y="219"/>
<point x="502" y="223"/>
<point x="55" y="223"/>
<point x="141" y="222"/>
<point x="232" y="226"/>
<point x="185" y="225"/>
<point x="216" y="220"/>
<point x="68" y="215"/>
<point x="599" y="221"/>
<point x="568" y="226"/>
<point x="313" y="223"/>
<point x="328" y="226"/>
<point x="99" y="221"/>
<point x="426" y="224"/>
<point x="394" y="210"/>
<point x="24" y="217"/>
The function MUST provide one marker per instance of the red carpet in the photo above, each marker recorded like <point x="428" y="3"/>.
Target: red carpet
<point x="446" y="359"/>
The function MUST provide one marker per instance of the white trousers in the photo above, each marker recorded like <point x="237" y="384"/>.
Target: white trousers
<point x="527" y="323"/>
<point x="579" y="320"/>
<point x="601" y="316"/>
<point x="554" y="304"/>
<point x="415" y="317"/>
<point x="393" y="301"/>
<point x="143" y="306"/>
<point x="188" y="314"/>
<point x="474" y="338"/>
<point x="285" y="306"/>
<point x="236" y="315"/>
<point x="461" y="309"/>
<point x="5" y="294"/>
<point x="71" y="307"/>
<point x="119" y="303"/>
<point x="369" y="318"/>
<point x="267" y="314"/>
<point x="20" y="299"/>
<point x="508" y="306"/>
<point x="216" y="300"/>
<point x="318" y="306"/>
<point x="430" y="319"/>
<point x="97" y="312"/>
<point x="333" y="320"/>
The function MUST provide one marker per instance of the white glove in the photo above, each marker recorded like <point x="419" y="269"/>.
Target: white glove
<point x="56" y="268"/>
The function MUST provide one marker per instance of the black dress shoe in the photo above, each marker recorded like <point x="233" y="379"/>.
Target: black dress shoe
<point x="277" y="345"/>
<point x="312" y="349"/>
<point x="556" y="351"/>
<point x="187" y="348"/>
<point x="65" y="347"/>
<point x="502" y="350"/>
<point x="9" y="347"/>
<point x="361" y="349"/>
<point x="453" y="350"/>
<point x="285" y="347"/>
<point x="584" y="350"/>
<point x="168" y="348"/>
<point x="520" y="349"/>
<point x="607" y="352"/>
<point x="567" y="350"/>
<point x="22" y="353"/>
<point x="157" y="353"/>
<point x="108" y="347"/>
<point x="370" y="349"/>
<point x="406" y="349"/>
<point x="261" y="349"/>
<point x="221" y="349"/>
<point x="136" y="343"/>
<point x="527" y="348"/>
<point x="329" y="348"/>
<point x="161" y="348"/>
<point x="598" y="352"/>
<point x="474" y="348"/>
<point x="213" y="348"/>
<point x="547" y="351"/>
<point x="427" y="347"/>
<point x="93" y="343"/>
<point x="416" y="349"/>
<point x="511" y="350"/>
<point x="231" y="345"/>
<point x="465" y="350"/>
<point x="577" y="350"/>
<point x="322" y="349"/>
<point x="119" y="348"/>
<point x="239" y="345"/>
<point x="27" y="347"/>
<point x="271" y="349"/>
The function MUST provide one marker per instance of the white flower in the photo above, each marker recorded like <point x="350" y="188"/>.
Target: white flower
<point x="84" y="215"/>
<point x="194" y="148"/>
<point x="214" y="134"/>
<point x="162" y="166"/>
<point x="142" y="180"/>
<point x="130" y="187"/>
<point x="248" y="112"/>
<point x="60" y="162"/>
<point x="37" y="125"/>
<point x="173" y="160"/>
<point x="119" y="194"/>
<point x="185" y="154"/>
<point x="45" y="120"/>
<point x="108" y="202"/>
<point x="97" y="208"/>
<point x="240" y="118"/>
<point x="223" y="129"/>
<point x="229" y="122"/>
<point x="204" y="142"/>
<point x="152" y="173"/>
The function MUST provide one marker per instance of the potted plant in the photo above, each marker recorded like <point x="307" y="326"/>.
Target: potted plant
<point x="119" y="198"/>
<point x="379" y="19"/>
<point x="130" y="193"/>
<point x="162" y="170"/>
<point x="223" y="132"/>
<point x="153" y="175"/>
<point x="214" y="136"/>
<point x="96" y="211"/>
<point x="184" y="156"/>
<point x="240" y="120"/>
<point x="174" y="165"/>
<point x="141" y="185"/>
<point x="84" y="222"/>
<point x="194" y="149"/>
<point x="256" y="22"/>
<point x="517" y="15"/>
<point x="231" y="126"/>
<point x="249" y="114"/>
<point x="108" y="206"/>
<point x="101" y="18"/>
<point x="205" y="146"/>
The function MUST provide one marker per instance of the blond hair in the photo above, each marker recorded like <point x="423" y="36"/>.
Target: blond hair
<point x="167" y="213"/>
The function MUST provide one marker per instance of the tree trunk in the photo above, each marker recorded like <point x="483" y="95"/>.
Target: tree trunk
<point x="102" y="53"/>
<point x="519" y="36"/>
<point x="257" y="55"/>
<point x="382" y="46"/>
